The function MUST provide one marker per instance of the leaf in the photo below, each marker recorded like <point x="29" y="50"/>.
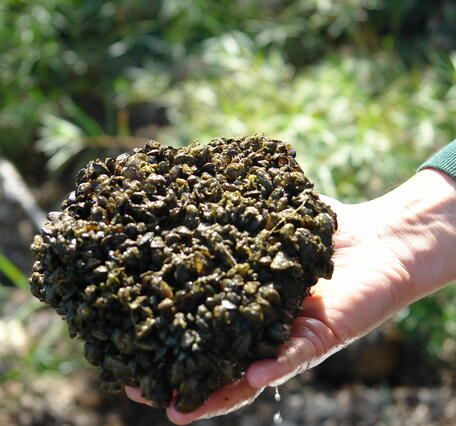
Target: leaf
<point x="60" y="140"/>
<point x="13" y="273"/>
<point x="87" y="124"/>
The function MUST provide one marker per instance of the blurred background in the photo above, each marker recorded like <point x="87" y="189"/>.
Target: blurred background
<point x="365" y="90"/>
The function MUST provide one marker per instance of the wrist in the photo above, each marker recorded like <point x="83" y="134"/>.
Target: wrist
<point x="420" y="228"/>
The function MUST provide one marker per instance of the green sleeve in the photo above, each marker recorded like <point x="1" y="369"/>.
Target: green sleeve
<point x="444" y="160"/>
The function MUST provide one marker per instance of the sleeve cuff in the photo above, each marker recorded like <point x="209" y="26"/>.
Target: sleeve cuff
<point x="444" y="160"/>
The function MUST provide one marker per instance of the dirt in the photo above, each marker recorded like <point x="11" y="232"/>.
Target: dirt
<point x="78" y="401"/>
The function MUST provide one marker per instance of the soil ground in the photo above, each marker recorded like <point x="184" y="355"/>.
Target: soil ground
<point x="78" y="401"/>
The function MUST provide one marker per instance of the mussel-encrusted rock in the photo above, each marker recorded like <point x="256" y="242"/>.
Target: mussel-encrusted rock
<point x="180" y="267"/>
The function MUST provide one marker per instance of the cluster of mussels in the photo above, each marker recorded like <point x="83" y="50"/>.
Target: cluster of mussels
<point x="180" y="267"/>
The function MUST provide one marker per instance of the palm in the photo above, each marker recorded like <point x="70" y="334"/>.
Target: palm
<point x="358" y="297"/>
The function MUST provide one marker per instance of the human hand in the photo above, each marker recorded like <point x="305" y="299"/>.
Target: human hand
<point x="378" y="271"/>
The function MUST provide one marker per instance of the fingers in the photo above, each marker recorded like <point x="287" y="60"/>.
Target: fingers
<point x="135" y="395"/>
<point x="291" y="361"/>
<point x="226" y="399"/>
<point x="223" y="401"/>
<point x="311" y="342"/>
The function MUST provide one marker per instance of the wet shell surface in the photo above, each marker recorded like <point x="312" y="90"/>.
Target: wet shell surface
<point x="180" y="267"/>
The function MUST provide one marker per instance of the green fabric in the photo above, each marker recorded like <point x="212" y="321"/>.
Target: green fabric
<point x="444" y="160"/>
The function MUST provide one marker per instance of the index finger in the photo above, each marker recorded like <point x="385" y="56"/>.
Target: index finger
<point x="223" y="401"/>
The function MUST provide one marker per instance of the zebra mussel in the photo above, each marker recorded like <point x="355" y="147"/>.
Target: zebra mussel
<point x="180" y="267"/>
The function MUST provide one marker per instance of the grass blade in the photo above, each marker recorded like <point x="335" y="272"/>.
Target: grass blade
<point x="13" y="273"/>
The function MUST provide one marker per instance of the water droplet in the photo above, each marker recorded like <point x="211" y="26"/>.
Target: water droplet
<point x="277" y="396"/>
<point x="277" y="417"/>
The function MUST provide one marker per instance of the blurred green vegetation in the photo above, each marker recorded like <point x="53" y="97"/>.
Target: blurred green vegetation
<point x="28" y="351"/>
<point x="364" y="89"/>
